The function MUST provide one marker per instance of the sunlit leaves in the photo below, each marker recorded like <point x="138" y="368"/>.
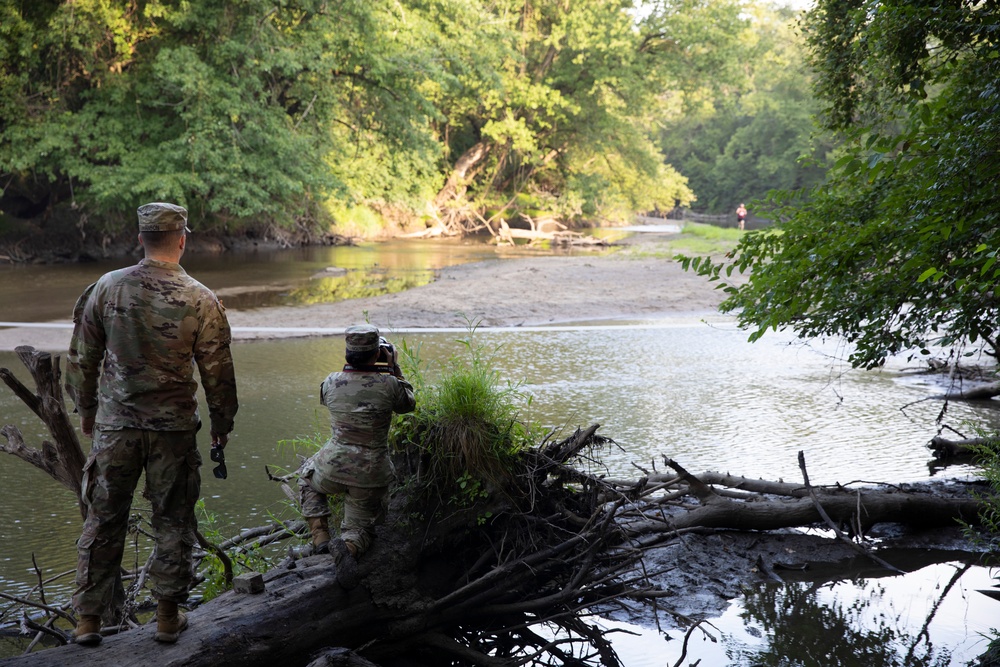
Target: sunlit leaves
<point x="898" y="250"/>
<point x="748" y="127"/>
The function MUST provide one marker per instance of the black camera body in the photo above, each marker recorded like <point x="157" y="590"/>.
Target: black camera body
<point x="385" y="350"/>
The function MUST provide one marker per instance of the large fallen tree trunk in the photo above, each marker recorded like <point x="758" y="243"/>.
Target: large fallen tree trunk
<point x="422" y="596"/>
<point x="856" y="508"/>
<point x="473" y="582"/>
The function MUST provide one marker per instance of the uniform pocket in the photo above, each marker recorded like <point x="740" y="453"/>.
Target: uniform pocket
<point x="87" y="480"/>
<point x="83" y="546"/>
<point x="193" y="462"/>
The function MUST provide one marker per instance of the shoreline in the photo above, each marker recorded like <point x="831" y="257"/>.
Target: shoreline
<point x="639" y="282"/>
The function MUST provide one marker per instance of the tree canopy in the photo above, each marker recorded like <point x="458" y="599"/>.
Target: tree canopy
<point x="753" y="130"/>
<point x="286" y="113"/>
<point x="898" y="250"/>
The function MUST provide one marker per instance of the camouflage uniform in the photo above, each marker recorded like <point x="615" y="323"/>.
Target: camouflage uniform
<point x="138" y="334"/>
<point x="355" y="460"/>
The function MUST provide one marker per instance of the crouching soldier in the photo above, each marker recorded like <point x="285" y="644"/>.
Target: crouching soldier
<point x="355" y="460"/>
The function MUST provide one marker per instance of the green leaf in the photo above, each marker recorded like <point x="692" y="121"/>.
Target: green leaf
<point x="927" y="274"/>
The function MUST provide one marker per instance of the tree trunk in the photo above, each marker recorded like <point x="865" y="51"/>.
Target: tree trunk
<point x="63" y="460"/>
<point x="466" y="164"/>
<point x="981" y="393"/>
<point x="302" y="610"/>
<point x="946" y="450"/>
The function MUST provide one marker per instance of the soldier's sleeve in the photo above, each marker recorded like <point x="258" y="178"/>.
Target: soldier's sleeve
<point x="86" y="351"/>
<point x="404" y="400"/>
<point x="215" y="365"/>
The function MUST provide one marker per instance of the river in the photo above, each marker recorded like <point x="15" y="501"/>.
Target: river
<point x="690" y="389"/>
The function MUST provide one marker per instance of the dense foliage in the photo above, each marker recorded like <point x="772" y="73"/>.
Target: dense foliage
<point x="753" y="129"/>
<point x="257" y="112"/>
<point x="898" y="250"/>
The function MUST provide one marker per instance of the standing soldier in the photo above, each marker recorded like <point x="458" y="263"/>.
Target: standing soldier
<point x="355" y="460"/>
<point x="138" y="333"/>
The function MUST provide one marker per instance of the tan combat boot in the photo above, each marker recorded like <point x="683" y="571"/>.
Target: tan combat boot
<point x="319" y="526"/>
<point x="170" y="622"/>
<point x="88" y="630"/>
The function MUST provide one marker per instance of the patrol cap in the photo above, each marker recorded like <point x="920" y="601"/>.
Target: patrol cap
<point x="361" y="338"/>
<point x="160" y="217"/>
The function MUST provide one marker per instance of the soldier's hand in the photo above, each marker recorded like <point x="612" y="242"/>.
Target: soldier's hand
<point x="87" y="426"/>
<point x="220" y="439"/>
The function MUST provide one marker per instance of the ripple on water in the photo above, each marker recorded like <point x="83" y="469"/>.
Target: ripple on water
<point x="700" y="394"/>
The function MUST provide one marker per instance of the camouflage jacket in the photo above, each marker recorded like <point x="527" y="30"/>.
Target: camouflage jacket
<point x="361" y="404"/>
<point x="150" y="324"/>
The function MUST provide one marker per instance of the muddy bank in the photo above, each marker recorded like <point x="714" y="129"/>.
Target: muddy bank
<point x="638" y="281"/>
<point x="704" y="572"/>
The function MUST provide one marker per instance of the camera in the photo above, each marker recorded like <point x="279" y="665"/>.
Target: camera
<point x="386" y="351"/>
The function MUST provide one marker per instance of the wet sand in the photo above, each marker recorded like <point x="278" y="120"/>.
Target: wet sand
<point x="639" y="283"/>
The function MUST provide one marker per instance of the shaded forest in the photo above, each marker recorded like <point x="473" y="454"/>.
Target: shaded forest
<point x="450" y="116"/>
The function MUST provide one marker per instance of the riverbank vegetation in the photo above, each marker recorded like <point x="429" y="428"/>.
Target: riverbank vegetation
<point x="694" y="238"/>
<point x="896" y="253"/>
<point x="282" y="120"/>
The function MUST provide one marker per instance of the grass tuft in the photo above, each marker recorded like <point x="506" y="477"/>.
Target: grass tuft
<point x="467" y="429"/>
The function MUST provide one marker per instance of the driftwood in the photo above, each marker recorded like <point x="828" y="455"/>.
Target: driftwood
<point x="471" y="583"/>
<point x="964" y="449"/>
<point x="784" y="505"/>
<point x="64" y="459"/>
<point x="507" y="234"/>
<point x="978" y="393"/>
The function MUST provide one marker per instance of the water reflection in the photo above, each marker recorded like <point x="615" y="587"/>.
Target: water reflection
<point x="931" y="617"/>
<point x="353" y="285"/>
<point x="696" y="392"/>
<point x="250" y="279"/>
<point x="871" y="622"/>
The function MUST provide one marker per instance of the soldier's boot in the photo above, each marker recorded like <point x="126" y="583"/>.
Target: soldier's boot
<point x="170" y="622"/>
<point x="319" y="526"/>
<point x="88" y="630"/>
<point x="347" y="566"/>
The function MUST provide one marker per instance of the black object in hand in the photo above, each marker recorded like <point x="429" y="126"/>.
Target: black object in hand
<point x="218" y="454"/>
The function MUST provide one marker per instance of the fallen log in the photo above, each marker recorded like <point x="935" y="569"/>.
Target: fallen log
<point x="451" y="581"/>
<point x="947" y="450"/>
<point x="857" y="508"/>
<point x="982" y="392"/>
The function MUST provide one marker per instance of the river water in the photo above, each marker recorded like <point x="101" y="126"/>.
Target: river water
<point x="687" y="388"/>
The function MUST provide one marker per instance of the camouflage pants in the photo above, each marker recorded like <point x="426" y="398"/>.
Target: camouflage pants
<point x="363" y="508"/>
<point x="173" y="486"/>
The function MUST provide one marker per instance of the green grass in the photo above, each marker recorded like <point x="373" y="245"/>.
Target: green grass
<point x="469" y="424"/>
<point x="356" y="221"/>
<point x="243" y="560"/>
<point x="694" y="239"/>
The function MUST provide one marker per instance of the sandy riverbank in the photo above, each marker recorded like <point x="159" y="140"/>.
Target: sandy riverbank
<point x="638" y="282"/>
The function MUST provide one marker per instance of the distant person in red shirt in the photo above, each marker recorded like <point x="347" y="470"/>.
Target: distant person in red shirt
<point x="741" y="215"/>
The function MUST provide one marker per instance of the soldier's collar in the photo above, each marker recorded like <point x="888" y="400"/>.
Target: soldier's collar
<point x="373" y="368"/>
<point x="173" y="266"/>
